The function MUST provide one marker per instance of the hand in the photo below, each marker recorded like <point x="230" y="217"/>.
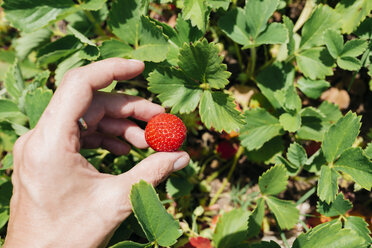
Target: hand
<point x="59" y="199"/>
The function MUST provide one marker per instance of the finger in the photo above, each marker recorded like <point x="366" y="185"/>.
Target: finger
<point x="120" y="106"/>
<point x="123" y="128"/>
<point x="73" y="97"/>
<point x="155" y="168"/>
<point x="111" y="144"/>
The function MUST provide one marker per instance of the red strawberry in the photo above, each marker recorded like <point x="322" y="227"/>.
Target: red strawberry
<point x="226" y="149"/>
<point x="165" y="133"/>
<point x="200" y="242"/>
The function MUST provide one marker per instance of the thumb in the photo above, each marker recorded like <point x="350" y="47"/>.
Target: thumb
<point x="156" y="167"/>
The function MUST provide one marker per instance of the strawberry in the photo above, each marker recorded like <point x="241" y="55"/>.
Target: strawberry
<point x="165" y="133"/>
<point x="226" y="149"/>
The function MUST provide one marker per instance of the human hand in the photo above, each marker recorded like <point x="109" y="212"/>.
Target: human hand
<point x="59" y="199"/>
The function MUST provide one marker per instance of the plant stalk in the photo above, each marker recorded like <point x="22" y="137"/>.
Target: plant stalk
<point x="97" y="28"/>
<point x="227" y="179"/>
<point x="252" y="65"/>
<point x="305" y="14"/>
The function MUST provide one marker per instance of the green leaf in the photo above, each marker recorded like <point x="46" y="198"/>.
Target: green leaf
<point x="274" y="180"/>
<point x="354" y="48"/>
<point x="312" y="88"/>
<point x="334" y="42"/>
<point x="275" y="83"/>
<point x="256" y="218"/>
<point x="231" y="228"/>
<point x="4" y="217"/>
<point x="14" y="83"/>
<point x="248" y="26"/>
<point x="327" y="184"/>
<point x="290" y="122"/>
<point x="7" y="162"/>
<point x="89" y="52"/>
<point x="201" y="62"/>
<point x="352" y="12"/>
<point x="92" y="4"/>
<point x="80" y="36"/>
<point x="218" y="109"/>
<point x="197" y="12"/>
<point x="6" y="190"/>
<point x="115" y="48"/>
<point x="313" y="125"/>
<point x="186" y="33"/>
<point x="129" y="244"/>
<point x="338" y="207"/>
<point x="285" y="212"/>
<point x="158" y="225"/>
<point x="58" y="49"/>
<point x="125" y="19"/>
<point x="267" y="152"/>
<point x="296" y="154"/>
<point x="323" y="18"/>
<point x="71" y="62"/>
<point x="354" y="162"/>
<point x="329" y="235"/>
<point x="292" y="169"/>
<point x="360" y="227"/>
<point x="31" y="15"/>
<point x="153" y="44"/>
<point x="291" y="46"/>
<point x="10" y="111"/>
<point x="368" y="150"/>
<point x="175" y="90"/>
<point x="315" y="63"/>
<point x="8" y="136"/>
<point x="340" y="136"/>
<point x="349" y="63"/>
<point x="28" y="42"/>
<point x="36" y="102"/>
<point x="266" y="244"/>
<point x="364" y="31"/>
<point x="260" y="127"/>
<point x="330" y="111"/>
<point x="216" y="4"/>
<point x="178" y="186"/>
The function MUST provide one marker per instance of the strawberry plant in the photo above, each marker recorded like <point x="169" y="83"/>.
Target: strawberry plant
<point x="273" y="141"/>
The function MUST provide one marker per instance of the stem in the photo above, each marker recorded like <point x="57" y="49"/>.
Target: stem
<point x="252" y="65"/>
<point x="306" y="196"/>
<point x="227" y="179"/>
<point x="282" y="235"/>
<point x="363" y="60"/>
<point x="97" y="27"/>
<point x="305" y="14"/>
<point x="238" y="55"/>
<point x="304" y="225"/>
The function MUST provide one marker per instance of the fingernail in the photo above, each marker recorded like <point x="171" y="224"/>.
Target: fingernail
<point x="136" y="61"/>
<point x="180" y="163"/>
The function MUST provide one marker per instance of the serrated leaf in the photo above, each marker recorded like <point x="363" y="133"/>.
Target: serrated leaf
<point x="125" y="19"/>
<point x="200" y="61"/>
<point x="80" y="36"/>
<point x="57" y="50"/>
<point x="292" y="169"/>
<point x="354" y="48"/>
<point x="158" y="225"/>
<point x="248" y="26"/>
<point x="129" y="244"/>
<point x="28" y="42"/>
<point x="352" y="12"/>
<point x="175" y="90"/>
<point x="274" y="180"/>
<point x="186" y="33"/>
<point x="4" y="217"/>
<point x="323" y="18"/>
<point x="349" y="63"/>
<point x="178" y="186"/>
<point x="36" y="102"/>
<point x="327" y="184"/>
<point x="71" y="62"/>
<point x="153" y="44"/>
<point x="216" y="4"/>
<point x="296" y="154"/>
<point x="231" y="228"/>
<point x="312" y="88"/>
<point x="89" y="52"/>
<point x="218" y="110"/>
<point x="354" y="162"/>
<point x="368" y="150"/>
<point x="329" y="235"/>
<point x="260" y="127"/>
<point x="197" y="12"/>
<point x="115" y="48"/>
<point x="360" y="227"/>
<point x="7" y="162"/>
<point x="364" y="30"/>
<point x="338" y="207"/>
<point x="31" y="15"/>
<point x="290" y="122"/>
<point x="313" y="124"/>
<point x="334" y="42"/>
<point x="10" y="111"/>
<point x="13" y="82"/>
<point x="330" y="111"/>
<point x="340" y="136"/>
<point x="267" y="152"/>
<point x="275" y="82"/>
<point x="256" y="218"/>
<point x="291" y="46"/>
<point x="285" y="212"/>
<point x="315" y="63"/>
<point x="92" y="4"/>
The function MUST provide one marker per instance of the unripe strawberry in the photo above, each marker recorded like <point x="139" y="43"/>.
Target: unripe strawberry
<point x="165" y="133"/>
